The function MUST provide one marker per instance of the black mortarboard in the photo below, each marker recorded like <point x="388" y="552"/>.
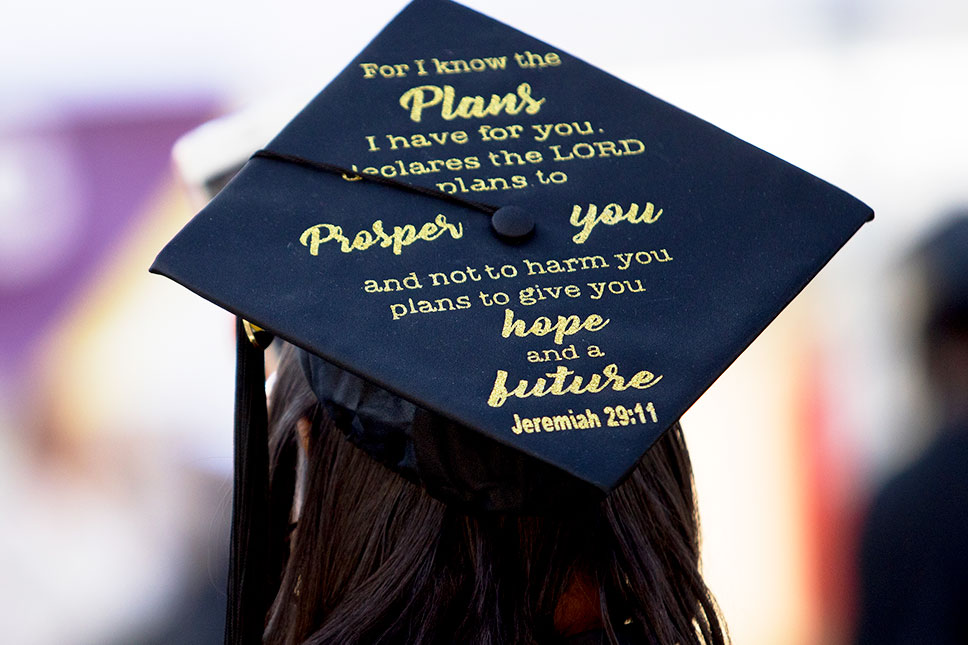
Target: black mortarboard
<point x="503" y="263"/>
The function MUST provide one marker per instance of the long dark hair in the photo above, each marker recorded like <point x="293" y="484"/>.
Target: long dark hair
<point x="373" y="559"/>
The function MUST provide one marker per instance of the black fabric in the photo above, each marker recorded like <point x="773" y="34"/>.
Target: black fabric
<point x="249" y="591"/>
<point x="454" y="463"/>
<point x="914" y="552"/>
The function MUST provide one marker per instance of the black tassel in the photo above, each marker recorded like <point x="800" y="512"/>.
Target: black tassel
<point x="248" y="591"/>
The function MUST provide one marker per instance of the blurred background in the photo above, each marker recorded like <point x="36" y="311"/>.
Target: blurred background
<point x="116" y="387"/>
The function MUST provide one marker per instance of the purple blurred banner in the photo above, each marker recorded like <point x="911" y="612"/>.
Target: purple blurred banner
<point x="69" y="193"/>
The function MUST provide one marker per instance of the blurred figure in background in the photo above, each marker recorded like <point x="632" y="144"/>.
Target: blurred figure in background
<point x="914" y="549"/>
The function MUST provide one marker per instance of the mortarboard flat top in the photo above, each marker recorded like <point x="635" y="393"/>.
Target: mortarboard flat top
<point x="662" y="246"/>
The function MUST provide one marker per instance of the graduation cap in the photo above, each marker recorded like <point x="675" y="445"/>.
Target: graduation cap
<point x="509" y="271"/>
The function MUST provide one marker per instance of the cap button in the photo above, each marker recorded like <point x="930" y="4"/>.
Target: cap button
<point x="512" y="224"/>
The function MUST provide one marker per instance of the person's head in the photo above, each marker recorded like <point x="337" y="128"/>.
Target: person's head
<point x="372" y="558"/>
<point x="943" y="262"/>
